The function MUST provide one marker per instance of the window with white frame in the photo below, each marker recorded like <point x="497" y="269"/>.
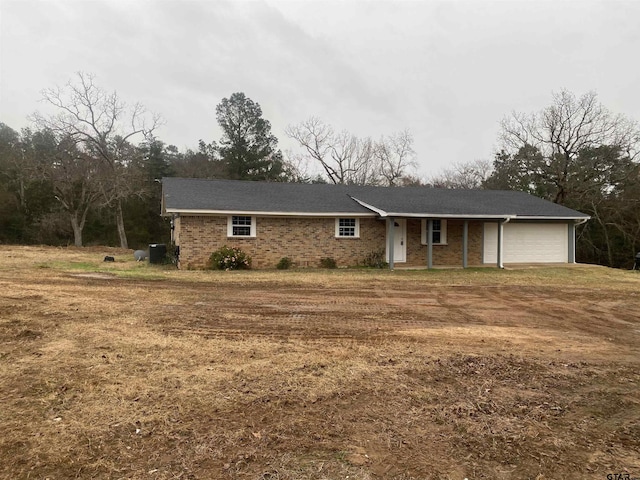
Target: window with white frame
<point x="439" y="233"/>
<point x="347" y="228"/>
<point x="241" y="226"/>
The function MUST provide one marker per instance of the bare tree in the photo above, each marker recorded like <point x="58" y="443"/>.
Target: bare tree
<point x="75" y="181"/>
<point x="296" y="167"/>
<point x="353" y="159"/>
<point x="347" y="159"/>
<point x="463" y="175"/>
<point x="102" y="125"/>
<point x="395" y="156"/>
<point x="565" y="128"/>
<point x="316" y="137"/>
<point x="343" y="156"/>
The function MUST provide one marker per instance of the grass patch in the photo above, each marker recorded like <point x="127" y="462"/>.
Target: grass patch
<point x="68" y="266"/>
<point x="561" y="277"/>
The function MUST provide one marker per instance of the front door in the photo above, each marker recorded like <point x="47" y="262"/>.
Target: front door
<point x="399" y="242"/>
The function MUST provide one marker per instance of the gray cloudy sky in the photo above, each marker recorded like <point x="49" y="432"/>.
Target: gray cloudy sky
<point x="446" y="70"/>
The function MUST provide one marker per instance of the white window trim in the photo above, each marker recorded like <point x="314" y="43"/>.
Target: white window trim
<point x="443" y="232"/>
<point x="230" y="227"/>
<point x="357" y="227"/>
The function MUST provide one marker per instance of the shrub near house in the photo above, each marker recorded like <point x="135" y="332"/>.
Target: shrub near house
<point x="229" y="258"/>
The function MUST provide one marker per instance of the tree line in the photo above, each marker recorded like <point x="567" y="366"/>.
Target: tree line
<point x="89" y="173"/>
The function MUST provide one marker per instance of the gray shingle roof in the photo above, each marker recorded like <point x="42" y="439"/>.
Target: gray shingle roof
<point x="239" y="196"/>
<point x="192" y="195"/>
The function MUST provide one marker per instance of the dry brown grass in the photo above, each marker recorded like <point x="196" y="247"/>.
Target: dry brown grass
<point x="127" y="370"/>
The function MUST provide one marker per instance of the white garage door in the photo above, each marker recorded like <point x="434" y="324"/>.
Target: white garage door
<point x="527" y="243"/>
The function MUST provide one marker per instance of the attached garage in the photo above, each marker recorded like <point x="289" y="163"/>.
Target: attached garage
<point x="527" y="242"/>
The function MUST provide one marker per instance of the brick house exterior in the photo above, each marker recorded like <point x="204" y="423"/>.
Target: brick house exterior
<point x="413" y="226"/>
<point x="306" y="240"/>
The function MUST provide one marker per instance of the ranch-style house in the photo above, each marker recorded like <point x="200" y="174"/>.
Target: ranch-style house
<point x="413" y="226"/>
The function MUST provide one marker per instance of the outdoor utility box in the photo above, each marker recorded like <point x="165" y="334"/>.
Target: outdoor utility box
<point x="157" y="252"/>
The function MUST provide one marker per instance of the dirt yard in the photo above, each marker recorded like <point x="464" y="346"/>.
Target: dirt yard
<point x="126" y="370"/>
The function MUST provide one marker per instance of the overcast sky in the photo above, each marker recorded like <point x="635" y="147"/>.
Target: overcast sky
<point x="448" y="71"/>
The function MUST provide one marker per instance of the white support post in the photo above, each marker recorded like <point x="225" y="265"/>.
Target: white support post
<point x="390" y="240"/>
<point x="500" y="237"/>
<point x="572" y="242"/>
<point x="465" y="242"/>
<point x="430" y="243"/>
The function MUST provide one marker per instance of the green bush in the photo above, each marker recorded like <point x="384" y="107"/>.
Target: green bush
<point x="328" y="262"/>
<point x="284" y="263"/>
<point x="375" y="260"/>
<point x="229" y="258"/>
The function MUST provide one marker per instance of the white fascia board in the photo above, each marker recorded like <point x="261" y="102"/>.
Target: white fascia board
<point x="185" y="211"/>
<point x="533" y="217"/>
<point x="449" y="215"/>
<point x="382" y="213"/>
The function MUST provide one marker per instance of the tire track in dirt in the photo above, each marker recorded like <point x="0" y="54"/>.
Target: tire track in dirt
<point x="299" y="314"/>
<point x="282" y="311"/>
<point x="584" y="311"/>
